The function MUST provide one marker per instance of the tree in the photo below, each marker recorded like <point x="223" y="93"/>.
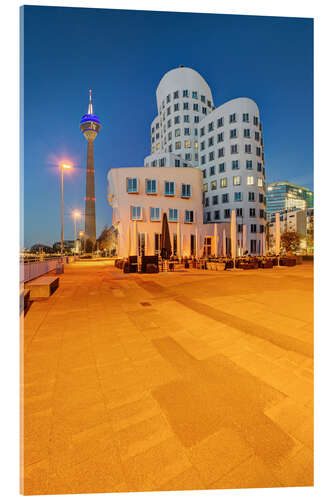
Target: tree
<point x="108" y="239"/>
<point x="89" y="246"/>
<point x="290" y="241"/>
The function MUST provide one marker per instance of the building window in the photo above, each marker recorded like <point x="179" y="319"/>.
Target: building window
<point x="176" y="107"/>
<point x="247" y="148"/>
<point x="177" y="163"/>
<point x="212" y="170"/>
<point x="203" y="159"/>
<point x="224" y="182"/>
<point x="251" y="196"/>
<point x="195" y="106"/>
<point x="132" y="185"/>
<point x="203" y="98"/>
<point x="260" y="182"/>
<point x="250" y="180"/>
<point x="261" y="198"/>
<point x="239" y="212"/>
<point x="249" y="164"/>
<point x="208" y="217"/>
<point x="196" y="144"/>
<point x="262" y="228"/>
<point x="169" y="188"/>
<point x="185" y="105"/>
<point x="220" y="122"/>
<point x="206" y="202"/>
<point x="169" y="110"/>
<point x="253" y="228"/>
<point x="189" y="216"/>
<point x="246" y="132"/>
<point x="194" y="94"/>
<point x="215" y="199"/>
<point x="210" y="127"/>
<point x="234" y="149"/>
<point x="211" y="141"/>
<point x="155" y="213"/>
<point x="257" y="136"/>
<point x="220" y="137"/>
<point x="262" y="214"/>
<point x="205" y="187"/>
<point x="186" y="118"/>
<point x="178" y="145"/>
<point x="177" y="132"/>
<point x="176" y="94"/>
<point x="173" y="214"/>
<point x="259" y="167"/>
<point x="221" y="168"/>
<point x="216" y="214"/>
<point x="255" y="120"/>
<point x="234" y="165"/>
<point x="233" y="133"/>
<point x="162" y="162"/>
<point x="185" y="93"/>
<point x="187" y="144"/>
<point x="204" y="110"/>
<point x="239" y="228"/>
<point x="232" y="118"/>
<point x="258" y="151"/>
<point x="151" y="186"/>
<point x="202" y="145"/>
<point x="246" y="117"/>
<point x="135" y="213"/>
<point x="213" y="185"/>
<point x="227" y="213"/>
<point x="221" y="152"/>
<point x="238" y="196"/>
<point x="188" y="156"/>
<point x="225" y="198"/>
<point x="196" y="119"/>
<point x="186" y="191"/>
<point x="252" y="212"/>
<point x="237" y="180"/>
<point x="211" y="156"/>
<point x="177" y="119"/>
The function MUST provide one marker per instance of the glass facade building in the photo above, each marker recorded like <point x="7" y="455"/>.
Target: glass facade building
<point x="285" y="196"/>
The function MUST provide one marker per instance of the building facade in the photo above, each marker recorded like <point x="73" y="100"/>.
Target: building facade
<point x="225" y="143"/>
<point x="284" y="195"/>
<point x="291" y="220"/>
<point x="139" y="197"/>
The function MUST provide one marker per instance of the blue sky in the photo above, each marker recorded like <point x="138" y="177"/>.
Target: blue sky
<point x="122" y="55"/>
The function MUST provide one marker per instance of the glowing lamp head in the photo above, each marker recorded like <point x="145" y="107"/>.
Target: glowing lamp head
<point x="66" y="165"/>
<point x="76" y="214"/>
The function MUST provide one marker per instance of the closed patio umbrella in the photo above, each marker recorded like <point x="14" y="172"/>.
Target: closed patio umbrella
<point x="244" y="239"/>
<point x="128" y="242"/>
<point x="277" y="233"/>
<point x="215" y="240"/>
<point x="224" y="244"/>
<point x="233" y="235"/>
<point x="165" y="243"/>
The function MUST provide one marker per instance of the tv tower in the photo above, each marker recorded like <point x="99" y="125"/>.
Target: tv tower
<point x="90" y="126"/>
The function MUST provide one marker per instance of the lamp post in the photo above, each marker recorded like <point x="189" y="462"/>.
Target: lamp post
<point x="81" y="234"/>
<point x="62" y="166"/>
<point x="76" y="215"/>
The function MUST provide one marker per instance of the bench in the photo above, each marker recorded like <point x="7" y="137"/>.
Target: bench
<point x="42" y="287"/>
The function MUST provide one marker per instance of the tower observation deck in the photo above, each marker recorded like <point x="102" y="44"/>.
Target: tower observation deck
<point x="90" y="125"/>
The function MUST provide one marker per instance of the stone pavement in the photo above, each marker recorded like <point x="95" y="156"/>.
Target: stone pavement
<point x="185" y="380"/>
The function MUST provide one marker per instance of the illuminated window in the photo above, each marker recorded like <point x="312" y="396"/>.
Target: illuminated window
<point x="260" y="182"/>
<point x="158" y="146"/>
<point x="237" y="180"/>
<point x="224" y="182"/>
<point x="213" y="185"/>
<point x="187" y="144"/>
<point x="250" y="180"/>
<point x="196" y="144"/>
<point x="205" y="187"/>
<point x="178" y="145"/>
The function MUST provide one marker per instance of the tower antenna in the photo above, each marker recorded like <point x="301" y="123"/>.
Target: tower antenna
<point x="90" y="106"/>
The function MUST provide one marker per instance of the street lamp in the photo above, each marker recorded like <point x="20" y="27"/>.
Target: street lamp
<point x="62" y="166"/>
<point x="76" y="215"/>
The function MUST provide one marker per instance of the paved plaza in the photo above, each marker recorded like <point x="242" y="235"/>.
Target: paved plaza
<point x="186" y="380"/>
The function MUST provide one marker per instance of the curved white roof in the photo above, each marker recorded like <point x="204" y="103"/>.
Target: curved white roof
<point x="182" y="78"/>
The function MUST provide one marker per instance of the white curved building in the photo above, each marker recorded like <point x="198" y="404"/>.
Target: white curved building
<point x="226" y="143"/>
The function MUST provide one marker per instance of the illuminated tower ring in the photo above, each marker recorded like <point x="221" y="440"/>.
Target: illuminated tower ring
<point x="90" y="125"/>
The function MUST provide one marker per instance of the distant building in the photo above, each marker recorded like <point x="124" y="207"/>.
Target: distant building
<point x="299" y="221"/>
<point x="68" y="245"/>
<point x="139" y="197"/>
<point x="283" y="195"/>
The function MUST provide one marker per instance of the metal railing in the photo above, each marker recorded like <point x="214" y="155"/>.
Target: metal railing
<point x="31" y="270"/>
